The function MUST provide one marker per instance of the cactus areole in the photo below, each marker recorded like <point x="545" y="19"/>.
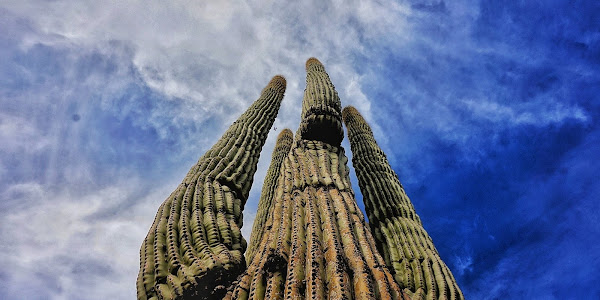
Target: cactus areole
<point x="309" y="239"/>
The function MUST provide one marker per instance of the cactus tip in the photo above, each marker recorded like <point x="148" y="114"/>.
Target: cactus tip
<point x="285" y="133"/>
<point x="278" y="80"/>
<point x="312" y="61"/>
<point x="349" y="112"/>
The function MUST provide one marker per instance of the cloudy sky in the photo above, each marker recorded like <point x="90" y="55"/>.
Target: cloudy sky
<point x="488" y="111"/>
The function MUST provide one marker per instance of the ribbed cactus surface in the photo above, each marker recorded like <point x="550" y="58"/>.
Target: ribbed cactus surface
<point x="194" y="249"/>
<point x="400" y="236"/>
<point x="315" y="243"/>
<point x="282" y="148"/>
<point x="309" y="239"/>
<point x="321" y="119"/>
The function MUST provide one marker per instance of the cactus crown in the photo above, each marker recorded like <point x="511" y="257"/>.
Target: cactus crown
<point x="284" y="136"/>
<point x="314" y="63"/>
<point x="352" y="118"/>
<point x="278" y="82"/>
<point x="321" y="107"/>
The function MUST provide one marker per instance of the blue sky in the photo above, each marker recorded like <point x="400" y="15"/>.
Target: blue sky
<point x="488" y="111"/>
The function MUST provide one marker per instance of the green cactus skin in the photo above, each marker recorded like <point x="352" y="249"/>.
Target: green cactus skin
<point x="309" y="239"/>
<point x="315" y="242"/>
<point x="194" y="248"/>
<point x="282" y="148"/>
<point x="407" y="248"/>
<point x="321" y="119"/>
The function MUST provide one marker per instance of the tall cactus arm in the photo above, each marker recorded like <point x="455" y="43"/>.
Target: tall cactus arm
<point x="316" y="243"/>
<point x="321" y="118"/>
<point x="194" y="247"/>
<point x="407" y="248"/>
<point x="282" y="148"/>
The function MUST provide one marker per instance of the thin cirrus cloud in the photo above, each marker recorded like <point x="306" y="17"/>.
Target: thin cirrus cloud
<point x="487" y="111"/>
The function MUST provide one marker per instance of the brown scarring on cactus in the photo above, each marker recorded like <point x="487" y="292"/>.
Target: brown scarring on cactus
<point x="194" y="248"/>
<point x="408" y="250"/>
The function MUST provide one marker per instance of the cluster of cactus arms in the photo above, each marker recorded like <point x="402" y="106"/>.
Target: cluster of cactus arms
<point x="316" y="243"/>
<point x="407" y="248"/>
<point x="309" y="240"/>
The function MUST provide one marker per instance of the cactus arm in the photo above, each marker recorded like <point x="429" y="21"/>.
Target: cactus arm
<point x="321" y="106"/>
<point x="282" y="147"/>
<point x="194" y="247"/>
<point x="408" y="250"/>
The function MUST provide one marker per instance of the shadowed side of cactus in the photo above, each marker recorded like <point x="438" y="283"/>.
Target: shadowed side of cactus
<point x="316" y="243"/>
<point x="407" y="248"/>
<point x="282" y="148"/>
<point x="194" y="248"/>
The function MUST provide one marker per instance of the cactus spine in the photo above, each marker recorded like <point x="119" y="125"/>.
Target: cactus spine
<point x="315" y="242"/>
<point x="282" y="147"/>
<point x="194" y="248"/>
<point x="406" y="246"/>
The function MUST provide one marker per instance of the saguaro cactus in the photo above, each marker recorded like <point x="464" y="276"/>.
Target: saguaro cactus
<point x="316" y="243"/>
<point x="282" y="147"/>
<point x="194" y="248"/>
<point x="406" y="246"/>
<point x="309" y="238"/>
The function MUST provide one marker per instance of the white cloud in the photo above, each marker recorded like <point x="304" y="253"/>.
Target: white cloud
<point x="203" y="52"/>
<point x="535" y="113"/>
<point x="206" y="61"/>
<point x="20" y="136"/>
<point x="60" y="235"/>
<point x="463" y="264"/>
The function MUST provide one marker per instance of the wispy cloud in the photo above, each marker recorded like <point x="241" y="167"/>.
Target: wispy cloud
<point x="58" y="244"/>
<point x="536" y="114"/>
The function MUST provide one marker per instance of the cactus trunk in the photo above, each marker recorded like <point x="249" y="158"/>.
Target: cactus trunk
<point x="407" y="248"/>
<point x="194" y="247"/>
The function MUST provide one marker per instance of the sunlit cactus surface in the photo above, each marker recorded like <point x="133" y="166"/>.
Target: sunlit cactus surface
<point x="282" y="147"/>
<point x="309" y="239"/>
<point x="194" y="248"/>
<point x="407" y="248"/>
